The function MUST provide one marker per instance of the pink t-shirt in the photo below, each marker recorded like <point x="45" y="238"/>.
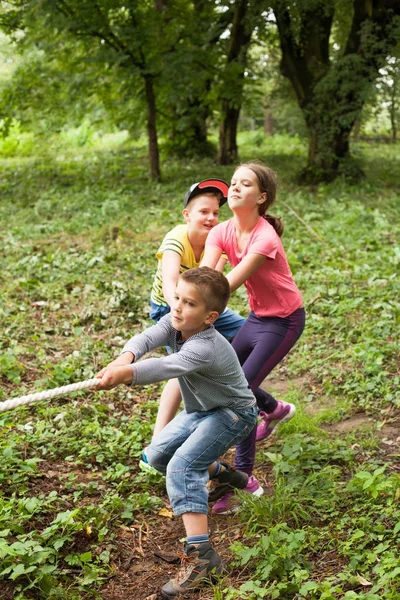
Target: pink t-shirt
<point x="271" y="289"/>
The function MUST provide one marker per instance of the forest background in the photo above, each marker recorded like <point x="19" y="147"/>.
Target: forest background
<point x="108" y="112"/>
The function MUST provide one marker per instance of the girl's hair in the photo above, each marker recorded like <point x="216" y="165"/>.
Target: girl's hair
<point x="267" y="182"/>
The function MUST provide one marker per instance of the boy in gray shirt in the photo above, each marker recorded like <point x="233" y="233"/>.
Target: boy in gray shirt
<point x="219" y="410"/>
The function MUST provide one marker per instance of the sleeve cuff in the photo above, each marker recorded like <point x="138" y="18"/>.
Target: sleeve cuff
<point x="134" y="375"/>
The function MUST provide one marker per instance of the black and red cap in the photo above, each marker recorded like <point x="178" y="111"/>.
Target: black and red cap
<point x="207" y="186"/>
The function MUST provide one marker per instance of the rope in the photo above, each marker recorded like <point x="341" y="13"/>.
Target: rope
<point x="47" y="395"/>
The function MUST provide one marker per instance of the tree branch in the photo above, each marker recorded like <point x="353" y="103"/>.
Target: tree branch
<point x="108" y="36"/>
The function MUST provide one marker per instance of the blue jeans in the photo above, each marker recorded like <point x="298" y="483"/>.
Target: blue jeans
<point x="157" y="311"/>
<point x="187" y="446"/>
<point x="228" y="323"/>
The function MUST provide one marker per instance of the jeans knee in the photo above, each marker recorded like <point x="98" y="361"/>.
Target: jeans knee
<point x="157" y="459"/>
<point x="177" y="465"/>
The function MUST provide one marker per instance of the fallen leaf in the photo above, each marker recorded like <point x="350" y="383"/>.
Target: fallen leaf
<point x="362" y="580"/>
<point x="164" y="512"/>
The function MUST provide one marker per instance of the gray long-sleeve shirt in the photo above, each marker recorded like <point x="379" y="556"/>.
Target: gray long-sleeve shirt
<point x="207" y="368"/>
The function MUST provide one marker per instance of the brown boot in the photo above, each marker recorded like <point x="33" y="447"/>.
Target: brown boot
<point x="198" y="562"/>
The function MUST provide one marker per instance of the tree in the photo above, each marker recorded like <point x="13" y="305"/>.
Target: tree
<point x="233" y="81"/>
<point x="332" y="80"/>
<point x="132" y="36"/>
<point x="388" y="85"/>
<point x="38" y="91"/>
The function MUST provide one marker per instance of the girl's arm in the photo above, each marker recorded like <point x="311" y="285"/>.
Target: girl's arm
<point x="244" y="270"/>
<point x="221" y="264"/>
<point x="211" y="258"/>
<point x="171" y="262"/>
<point x="240" y="273"/>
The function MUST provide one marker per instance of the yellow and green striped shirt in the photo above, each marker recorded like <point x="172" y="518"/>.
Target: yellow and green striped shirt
<point x="176" y="240"/>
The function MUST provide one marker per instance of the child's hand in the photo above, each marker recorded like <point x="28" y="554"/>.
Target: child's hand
<point x="113" y="375"/>
<point x="126" y="358"/>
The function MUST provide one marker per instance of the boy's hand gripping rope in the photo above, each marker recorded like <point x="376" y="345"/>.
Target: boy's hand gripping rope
<point x="47" y="395"/>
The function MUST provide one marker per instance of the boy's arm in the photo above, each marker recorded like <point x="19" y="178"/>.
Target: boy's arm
<point x="153" y="337"/>
<point x="120" y="369"/>
<point x="171" y="262"/>
<point x="194" y="356"/>
<point x="113" y="375"/>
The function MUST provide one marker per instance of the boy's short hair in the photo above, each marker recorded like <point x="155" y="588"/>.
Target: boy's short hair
<point x="213" y="286"/>
<point x="216" y="187"/>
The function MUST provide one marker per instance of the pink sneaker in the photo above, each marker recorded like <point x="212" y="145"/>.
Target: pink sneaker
<point x="270" y="421"/>
<point x="229" y="503"/>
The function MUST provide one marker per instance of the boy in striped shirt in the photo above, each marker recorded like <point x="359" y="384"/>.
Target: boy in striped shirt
<point x="219" y="410"/>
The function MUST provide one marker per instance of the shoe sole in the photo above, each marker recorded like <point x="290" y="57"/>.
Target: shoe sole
<point x="286" y="418"/>
<point x="148" y="468"/>
<point x="257" y="493"/>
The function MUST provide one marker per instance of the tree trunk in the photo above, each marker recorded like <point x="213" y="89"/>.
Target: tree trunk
<point x="393" y="109"/>
<point x="331" y="93"/>
<point x="328" y="152"/>
<point x="154" y="155"/>
<point x="228" y="151"/>
<point x="356" y="129"/>
<point x="269" y="123"/>
<point x="231" y="96"/>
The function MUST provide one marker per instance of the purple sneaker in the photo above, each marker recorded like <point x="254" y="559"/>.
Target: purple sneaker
<point x="270" y="421"/>
<point x="230" y="503"/>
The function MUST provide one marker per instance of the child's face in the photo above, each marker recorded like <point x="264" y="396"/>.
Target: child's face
<point x="201" y="214"/>
<point x="190" y="314"/>
<point x="244" y="193"/>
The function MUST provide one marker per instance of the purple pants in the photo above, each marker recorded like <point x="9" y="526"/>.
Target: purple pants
<point x="261" y="344"/>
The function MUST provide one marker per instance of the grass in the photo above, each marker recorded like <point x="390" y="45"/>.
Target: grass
<point x="80" y="228"/>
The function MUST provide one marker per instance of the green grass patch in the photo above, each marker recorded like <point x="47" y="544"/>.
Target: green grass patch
<point x="80" y="228"/>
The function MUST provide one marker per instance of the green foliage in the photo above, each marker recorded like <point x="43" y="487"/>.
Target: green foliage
<point x="81" y="225"/>
<point x="332" y="53"/>
<point x="357" y="524"/>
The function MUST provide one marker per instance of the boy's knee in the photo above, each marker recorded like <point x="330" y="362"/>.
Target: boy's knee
<point x="157" y="459"/>
<point x="177" y="464"/>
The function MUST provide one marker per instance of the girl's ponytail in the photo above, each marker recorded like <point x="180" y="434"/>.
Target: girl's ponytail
<point x="276" y="222"/>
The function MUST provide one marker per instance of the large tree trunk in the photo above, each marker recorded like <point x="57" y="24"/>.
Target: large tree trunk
<point x="154" y="155"/>
<point x="233" y="88"/>
<point x="228" y="150"/>
<point x="328" y="152"/>
<point x="330" y="111"/>
<point x="331" y="93"/>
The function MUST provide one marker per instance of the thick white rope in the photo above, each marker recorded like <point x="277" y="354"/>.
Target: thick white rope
<point x="65" y="389"/>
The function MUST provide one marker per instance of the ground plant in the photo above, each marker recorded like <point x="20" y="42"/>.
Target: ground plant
<point x="80" y="225"/>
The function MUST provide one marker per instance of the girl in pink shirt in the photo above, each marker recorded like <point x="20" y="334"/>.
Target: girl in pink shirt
<point x="251" y="240"/>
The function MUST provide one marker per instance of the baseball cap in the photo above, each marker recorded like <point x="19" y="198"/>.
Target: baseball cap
<point x="206" y="186"/>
